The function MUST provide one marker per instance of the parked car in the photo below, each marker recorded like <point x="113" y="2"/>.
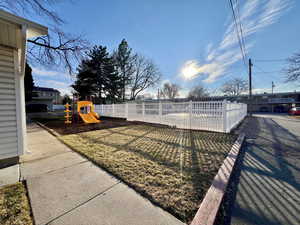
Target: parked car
<point x="294" y="111"/>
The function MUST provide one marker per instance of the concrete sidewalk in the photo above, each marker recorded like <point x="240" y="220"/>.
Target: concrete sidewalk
<point x="267" y="184"/>
<point x="65" y="188"/>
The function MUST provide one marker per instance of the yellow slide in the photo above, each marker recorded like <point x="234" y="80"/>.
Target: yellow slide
<point x="88" y="115"/>
<point x="89" y="118"/>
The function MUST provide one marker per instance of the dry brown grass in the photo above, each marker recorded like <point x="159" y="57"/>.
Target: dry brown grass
<point x="172" y="167"/>
<point x="295" y="117"/>
<point x="14" y="205"/>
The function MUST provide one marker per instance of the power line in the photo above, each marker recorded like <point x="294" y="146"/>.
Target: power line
<point x="241" y="26"/>
<point x="270" y="73"/>
<point x="237" y="31"/>
<point x="260" y="69"/>
<point x="270" y="60"/>
<point x="278" y="71"/>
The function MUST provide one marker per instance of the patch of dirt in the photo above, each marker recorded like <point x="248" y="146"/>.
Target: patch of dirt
<point x="77" y="127"/>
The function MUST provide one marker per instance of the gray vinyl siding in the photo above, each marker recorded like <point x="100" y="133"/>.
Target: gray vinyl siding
<point x="8" y="35"/>
<point x="8" y="120"/>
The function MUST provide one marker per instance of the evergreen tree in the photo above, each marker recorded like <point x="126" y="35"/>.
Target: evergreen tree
<point x="84" y="84"/>
<point x="124" y="61"/>
<point x="28" y="83"/>
<point x="66" y="99"/>
<point x="114" y="83"/>
<point x="97" y="75"/>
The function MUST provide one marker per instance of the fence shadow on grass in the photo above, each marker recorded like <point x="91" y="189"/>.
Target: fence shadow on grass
<point x="178" y="150"/>
<point x="173" y="168"/>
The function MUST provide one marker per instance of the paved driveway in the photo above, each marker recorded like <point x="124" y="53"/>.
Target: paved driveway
<point x="266" y="190"/>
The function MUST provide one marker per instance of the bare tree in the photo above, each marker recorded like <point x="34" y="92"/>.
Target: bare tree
<point x="57" y="48"/>
<point x="170" y="90"/>
<point x="293" y="69"/>
<point x="234" y="86"/>
<point x="197" y="93"/>
<point x="146" y="74"/>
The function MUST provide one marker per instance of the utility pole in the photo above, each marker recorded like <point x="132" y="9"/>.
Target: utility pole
<point x="273" y="85"/>
<point x="250" y="87"/>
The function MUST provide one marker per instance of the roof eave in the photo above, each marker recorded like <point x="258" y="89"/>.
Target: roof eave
<point x="33" y="29"/>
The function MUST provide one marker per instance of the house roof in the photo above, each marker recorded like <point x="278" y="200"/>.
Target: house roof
<point x="33" y="29"/>
<point x="45" y="89"/>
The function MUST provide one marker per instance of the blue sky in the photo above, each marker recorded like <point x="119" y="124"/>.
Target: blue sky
<point x="176" y="33"/>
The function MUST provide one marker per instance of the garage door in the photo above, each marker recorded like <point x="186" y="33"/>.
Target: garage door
<point x="8" y="126"/>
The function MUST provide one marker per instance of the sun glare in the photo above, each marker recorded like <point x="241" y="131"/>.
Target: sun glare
<point x="190" y="70"/>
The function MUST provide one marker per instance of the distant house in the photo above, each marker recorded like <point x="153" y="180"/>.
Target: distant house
<point x="47" y="92"/>
<point x="45" y="96"/>
<point x="14" y="31"/>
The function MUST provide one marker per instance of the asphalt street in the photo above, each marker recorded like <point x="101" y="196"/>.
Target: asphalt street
<point x="265" y="188"/>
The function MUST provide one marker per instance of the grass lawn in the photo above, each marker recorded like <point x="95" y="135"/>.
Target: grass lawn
<point x="14" y="205"/>
<point x="171" y="167"/>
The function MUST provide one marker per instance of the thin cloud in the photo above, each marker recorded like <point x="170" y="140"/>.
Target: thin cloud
<point x="48" y="73"/>
<point x="57" y="83"/>
<point x="255" y="16"/>
<point x="41" y="72"/>
<point x="209" y="47"/>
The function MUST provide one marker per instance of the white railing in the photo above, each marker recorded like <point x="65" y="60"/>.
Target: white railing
<point x="220" y="116"/>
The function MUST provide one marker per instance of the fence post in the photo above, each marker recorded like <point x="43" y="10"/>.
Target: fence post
<point x="126" y="110"/>
<point x="113" y="110"/>
<point x="143" y="110"/>
<point x="160" y="111"/>
<point x="224" y="113"/>
<point x="190" y="113"/>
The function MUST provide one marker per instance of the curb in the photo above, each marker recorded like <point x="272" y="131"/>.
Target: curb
<point x="209" y="207"/>
<point x="51" y="131"/>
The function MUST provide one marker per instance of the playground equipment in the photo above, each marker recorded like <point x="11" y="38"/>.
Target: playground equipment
<point x="86" y="110"/>
<point x="67" y="116"/>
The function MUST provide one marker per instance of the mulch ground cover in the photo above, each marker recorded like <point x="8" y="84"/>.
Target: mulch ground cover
<point x="57" y="124"/>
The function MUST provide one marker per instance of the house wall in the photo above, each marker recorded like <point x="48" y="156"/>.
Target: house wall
<point x="9" y="35"/>
<point x="8" y="104"/>
<point x="14" y="32"/>
<point x="12" y="107"/>
<point x="49" y="94"/>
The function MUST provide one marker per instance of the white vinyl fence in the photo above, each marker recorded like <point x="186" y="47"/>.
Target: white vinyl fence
<point x="219" y="116"/>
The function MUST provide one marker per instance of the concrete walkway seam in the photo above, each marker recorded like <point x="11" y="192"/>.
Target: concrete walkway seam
<point x="51" y="131"/>
<point x="52" y="171"/>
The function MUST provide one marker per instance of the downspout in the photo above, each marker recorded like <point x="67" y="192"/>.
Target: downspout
<point x="22" y="88"/>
